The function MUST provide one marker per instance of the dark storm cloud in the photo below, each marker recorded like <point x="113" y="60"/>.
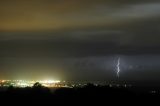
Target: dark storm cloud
<point x="113" y="22"/>
<point x="78" y="37"/>
<point x="47" y="15"/>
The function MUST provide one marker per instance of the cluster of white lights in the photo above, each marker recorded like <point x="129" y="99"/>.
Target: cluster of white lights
<point x="26" y="83"/>
<point x="49" y="81"/>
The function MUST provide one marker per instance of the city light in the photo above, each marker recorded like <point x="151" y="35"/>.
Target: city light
<point x="30" y="83"/>
<point x="49" y="81"/>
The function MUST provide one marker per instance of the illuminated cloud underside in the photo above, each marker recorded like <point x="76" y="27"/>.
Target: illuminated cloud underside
<point x="49" y="15"/>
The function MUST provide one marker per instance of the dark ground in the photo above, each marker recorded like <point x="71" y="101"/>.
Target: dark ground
<point x="90" y="94"/>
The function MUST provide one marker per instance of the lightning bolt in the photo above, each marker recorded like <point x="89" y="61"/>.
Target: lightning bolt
<point x="118" y="66"/>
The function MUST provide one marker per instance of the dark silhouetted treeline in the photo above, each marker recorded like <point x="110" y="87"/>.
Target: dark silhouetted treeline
<point x="86" y="93"/>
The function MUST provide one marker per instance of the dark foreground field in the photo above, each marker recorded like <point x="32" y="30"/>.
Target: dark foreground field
<point x="89" y="93"/>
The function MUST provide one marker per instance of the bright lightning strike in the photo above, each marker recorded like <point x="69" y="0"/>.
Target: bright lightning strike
<point x="118" y="67"/>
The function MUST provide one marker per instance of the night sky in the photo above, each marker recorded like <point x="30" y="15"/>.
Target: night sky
<point x="80" y="39"/>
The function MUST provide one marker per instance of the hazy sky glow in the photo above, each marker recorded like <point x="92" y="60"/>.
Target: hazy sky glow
<point x="79" y="39"/>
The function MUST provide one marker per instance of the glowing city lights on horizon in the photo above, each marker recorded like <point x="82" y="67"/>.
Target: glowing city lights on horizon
<point x="29" y="83"/>
<point x="49" y="81"/>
